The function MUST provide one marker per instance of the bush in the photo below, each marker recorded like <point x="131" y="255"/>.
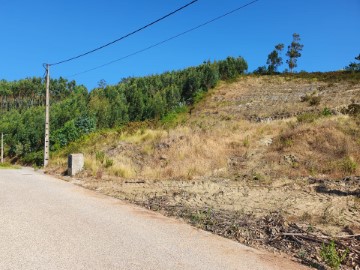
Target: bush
<point x="109" y="163"/>
<point x="307" y="117"/>
<point x="311" y="99"/>
<point x="353" y="109"/>
<point x="7" y="165"/>
<point x="314" y="100"/>
<point x="331" y="256"/>
<point x="35" y="158"/>
<point x="100" y="156"/>
<point x="348" y="165"/>
<point x="172" y="117"/>
<point x="326" y="112"/>
<point x="261" y="70"/>
<point x="199" y="96"/>
<point x="230" y="68"/>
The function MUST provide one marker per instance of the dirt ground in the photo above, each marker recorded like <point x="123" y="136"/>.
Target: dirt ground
<point x="245" y="210"/>
<point x="244" y="167"/>
<point x="307" y="201"/>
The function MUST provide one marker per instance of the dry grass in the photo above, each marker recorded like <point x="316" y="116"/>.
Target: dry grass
<point x="7" y="165"/>
<point x="325" y="147"/>
<point x="143" y="136"/>
<point x="249" y="147"/>
<point x="233" y="132"/>
<point x="186" y="153"/>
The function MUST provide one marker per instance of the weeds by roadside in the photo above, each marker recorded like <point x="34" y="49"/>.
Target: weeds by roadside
<point x="331" y="256"/>
<point x="263" y="142"/>
<point x="7" y="165"/>
<point x="312" y="247"/>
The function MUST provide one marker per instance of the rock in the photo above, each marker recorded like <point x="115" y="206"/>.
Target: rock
<point x="291" y="159"/>
<point x="162" y="145"/>
<point x="266" y="141"/>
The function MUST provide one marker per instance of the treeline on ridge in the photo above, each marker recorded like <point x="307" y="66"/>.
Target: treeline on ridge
<point x="75" y="111"/>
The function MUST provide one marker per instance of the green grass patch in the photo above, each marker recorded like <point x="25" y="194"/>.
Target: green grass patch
<point x="331" y="256"/>
<point x="308" y="117"/>
<point x="175" y="117"/>
<point x="348" y="165"/>
<point x="7" y="165"/>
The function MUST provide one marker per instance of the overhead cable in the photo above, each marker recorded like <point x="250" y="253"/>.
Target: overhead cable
<point x="125" y="36"/>
<point x="166" y="40"/>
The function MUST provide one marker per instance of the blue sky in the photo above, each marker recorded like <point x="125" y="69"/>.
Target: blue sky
<point x="37" y="31"/>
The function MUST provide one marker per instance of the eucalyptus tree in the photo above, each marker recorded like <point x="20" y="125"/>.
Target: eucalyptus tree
<point x="294" y="52"/>
<point x="274" y="59"/>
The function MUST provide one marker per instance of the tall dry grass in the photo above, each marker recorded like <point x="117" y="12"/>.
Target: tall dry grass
<point x="327" y="146"/>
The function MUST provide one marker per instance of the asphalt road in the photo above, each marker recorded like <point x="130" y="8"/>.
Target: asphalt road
<point x="46" y="223"/>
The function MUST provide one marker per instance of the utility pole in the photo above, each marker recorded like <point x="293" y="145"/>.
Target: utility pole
<point x="2" y="147"/>
<point x="47" y="117"/>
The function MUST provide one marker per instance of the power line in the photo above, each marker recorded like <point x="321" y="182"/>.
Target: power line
<point x="125" y="36"/>
<point x="166" y="40"/>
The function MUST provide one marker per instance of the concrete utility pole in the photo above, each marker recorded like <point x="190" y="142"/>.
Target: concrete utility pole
<point x="2" y="147"/>
<point x="47" y="117"/>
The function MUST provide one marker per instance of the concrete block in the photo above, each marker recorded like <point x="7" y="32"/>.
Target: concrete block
<point x="75" y="164"/>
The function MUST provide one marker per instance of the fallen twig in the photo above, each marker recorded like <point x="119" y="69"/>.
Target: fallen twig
<point x="135" y="182"/>
<point x="322" y="236"/>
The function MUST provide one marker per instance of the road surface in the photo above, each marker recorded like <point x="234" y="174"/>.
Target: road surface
<point x="46" y="223"/>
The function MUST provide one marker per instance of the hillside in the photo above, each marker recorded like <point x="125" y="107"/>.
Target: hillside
<point x="279" y="152"/>
<point x="75" y="111"/>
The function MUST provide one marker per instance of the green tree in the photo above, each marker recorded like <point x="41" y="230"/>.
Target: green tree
<point x="210" y="75"/>
<point x="135" y="100"/>
<point x="293" y="52"/>
<point x="173" y="97"/>
<point x="353" y="66"/>
<point x="274" y="59"/>
<point x="262" y="70"/>
<point x="191" y="85"/>
<point x="230" y="68"/>
<point x="100" y="108"/>
<point x="119" y="108"/>
<point x="85" y="124"/>
<point x="75" y="111"/>
<point x="158" y="106"/>
<point x="102" y="84"/>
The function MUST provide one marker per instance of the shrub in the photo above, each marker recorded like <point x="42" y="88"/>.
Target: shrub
<point x="314" y="100"/>
<point x="230" y="68"/>
<point x="35" y="158"/>
<point x="109" y="163"/>
<point x="100" y="156"/>
<point x="122" y="171"/>
<point x="307" y="117"/>
<point x="331" y="256"/>
<point x="175" y="116"/>
<point x="7" y="165"/>
<point x="198" y="96"/>
<point x="261" y="70"/>
<point x="348" y="165"/>
<point x="326" y="112"/>
<point x="353" y="109"/>
<point x="305" y="98"/>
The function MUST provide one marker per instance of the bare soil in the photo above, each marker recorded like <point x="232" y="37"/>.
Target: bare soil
<point x="242" y="166"/>
<point x="294" y="217"/>
<point x="267" y="98"/>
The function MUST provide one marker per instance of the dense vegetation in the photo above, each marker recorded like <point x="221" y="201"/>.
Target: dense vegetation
<point x="75" y="111"/>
